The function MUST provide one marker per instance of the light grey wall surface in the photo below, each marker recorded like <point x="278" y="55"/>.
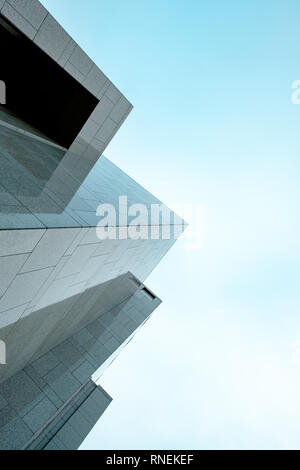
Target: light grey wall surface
<point x="77" y="427"/>
<point x="38" y="331"/>
<point x="59" y="273"/>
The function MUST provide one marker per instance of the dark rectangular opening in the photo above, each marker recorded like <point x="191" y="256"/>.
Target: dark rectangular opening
<point x="40" y="95"/>
<point x="149" y="293"/>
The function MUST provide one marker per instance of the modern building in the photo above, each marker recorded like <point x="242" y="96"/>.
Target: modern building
<point x="70" y="301"/>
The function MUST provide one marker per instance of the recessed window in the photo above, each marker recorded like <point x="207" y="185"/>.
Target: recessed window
<point x="149" y="293"/>
<point x="40" y="95"/>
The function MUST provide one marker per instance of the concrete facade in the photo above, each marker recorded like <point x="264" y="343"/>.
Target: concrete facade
<point x="69" y="301"/>
<point x="41" y="399"/>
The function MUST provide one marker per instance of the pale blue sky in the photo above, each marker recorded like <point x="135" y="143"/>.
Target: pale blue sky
<point x="213" y="124"/>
